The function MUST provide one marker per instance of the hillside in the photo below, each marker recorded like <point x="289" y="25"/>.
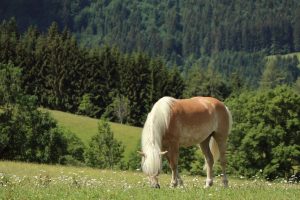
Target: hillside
<point x="289" y="55"/>
<point x="176" y="29"/>
<point x="86" y="127"/>
<point x="32" y="181"/>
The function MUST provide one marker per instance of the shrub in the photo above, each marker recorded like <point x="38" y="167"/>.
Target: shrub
<point x="104" y="151"/>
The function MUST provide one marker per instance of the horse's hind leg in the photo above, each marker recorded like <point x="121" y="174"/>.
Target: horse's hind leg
<point x="209" y="161"/>
<point x="223" y="161"/>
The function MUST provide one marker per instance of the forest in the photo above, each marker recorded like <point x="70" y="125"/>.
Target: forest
<point x="178" y="30"/>
<point x="115" y="59"/>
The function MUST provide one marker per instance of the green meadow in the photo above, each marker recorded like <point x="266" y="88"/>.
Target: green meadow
<point x="289" y="55"/>
<point x="86" y="127"/>
<point x="35" y="181"/>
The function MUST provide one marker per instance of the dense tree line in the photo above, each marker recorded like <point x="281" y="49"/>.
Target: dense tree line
<point x="174" y="29"/>
<point x="67" y="77"/>
<point x="123" y="87"/>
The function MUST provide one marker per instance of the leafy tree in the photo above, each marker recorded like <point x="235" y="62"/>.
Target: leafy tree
<point x="175" y="84"/>
<point x="265" y="133"/>
<point x="26" y="134"/>
<point x="75" y="149"/>
<point x="118" y="110"/>
<point x="207" y="82"/>
<point x="134" y="161"/>
<point x="297" y="30"/>
<point x="187" y="156"/>
<point x="86" y="107"/>
<point x="280" y="71"/>
<point x="136" y="84"/>
<point x="104" y="151"/>
<point x="10" y="91"/>
<point x="196" y="167"/>
<point x="9" y="37"/>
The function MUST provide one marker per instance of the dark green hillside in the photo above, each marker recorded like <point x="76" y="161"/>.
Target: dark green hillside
<point x="175" y="29"/>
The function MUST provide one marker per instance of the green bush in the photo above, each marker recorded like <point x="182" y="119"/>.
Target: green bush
<point x="27" y="134"/>
<point x="266" y="133"/>
<point x="134" y="161"/>
<point x="104" y="151"/>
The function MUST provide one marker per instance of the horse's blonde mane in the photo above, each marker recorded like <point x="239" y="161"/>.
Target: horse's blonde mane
<point x="155" y="126"/>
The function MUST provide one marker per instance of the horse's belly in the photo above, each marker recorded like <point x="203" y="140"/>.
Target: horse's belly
<point x="193" y="135"/>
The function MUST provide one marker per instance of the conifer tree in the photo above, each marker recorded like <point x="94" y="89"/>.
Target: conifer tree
<point x="104" y="150"/>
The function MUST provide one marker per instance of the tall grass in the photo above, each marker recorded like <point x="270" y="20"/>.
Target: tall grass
<point x="33" y="181"/>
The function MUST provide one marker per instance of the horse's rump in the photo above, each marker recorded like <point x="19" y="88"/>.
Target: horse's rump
<point x="193" y="120"/>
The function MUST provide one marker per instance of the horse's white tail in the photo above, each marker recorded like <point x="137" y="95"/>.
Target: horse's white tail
<point x="214" y="151"/>
<point x="214" y="148"/>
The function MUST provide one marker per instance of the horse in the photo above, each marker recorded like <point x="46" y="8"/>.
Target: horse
<point x="172" y="123"/>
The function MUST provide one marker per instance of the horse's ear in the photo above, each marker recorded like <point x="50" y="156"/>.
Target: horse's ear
<point x="163" y="152"/>
<point x="141" y="153"/>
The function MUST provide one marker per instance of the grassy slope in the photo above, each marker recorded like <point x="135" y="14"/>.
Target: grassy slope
<point x="285" y="56"/>
<point x="86" y="127"/>
<point x="32" y="181"/>
<point x="288" y="55"/>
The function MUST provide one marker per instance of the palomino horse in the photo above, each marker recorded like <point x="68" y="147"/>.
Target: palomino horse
<point x="184" y="122"/>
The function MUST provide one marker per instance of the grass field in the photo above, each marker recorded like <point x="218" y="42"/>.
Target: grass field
<point x="286" y="56"/>
<point x="33" y="181"/>
<point x="86" y="127"/>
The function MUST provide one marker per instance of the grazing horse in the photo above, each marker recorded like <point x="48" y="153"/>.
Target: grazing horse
<point x="172" y="123"/>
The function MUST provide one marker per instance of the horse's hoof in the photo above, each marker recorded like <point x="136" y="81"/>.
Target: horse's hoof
<point x="156" y="186"/>
<point x="225" y="183"/>
<point x="208" y="183"/>
<point x="173" y="184"/>
<point x="207" y="186"/>
<point x="180" y="182"/>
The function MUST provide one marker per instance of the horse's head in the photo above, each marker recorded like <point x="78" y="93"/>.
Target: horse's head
<point x="151" y="165"/>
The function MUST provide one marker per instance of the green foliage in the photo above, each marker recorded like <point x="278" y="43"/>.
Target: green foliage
<point x="280" y="70"/>
<point x="134" y="161"/>
<point x="265" y="133"/>
<point x="187" y="155"/>
<point x="201" y="82"/>
<point x="296" y="32"/>
<point x="75" y="149"/>
<point x="118" y="110"/>
<point x="85" y="128"/>
<point x="10" y="91"/>
<point x="92" y="82"/>
<point x="86" y="107"/>
<point x="27" y="134"/>
<point x="104" y="151"/>
<point x="175" y="30"/>
<point x="198" y="164"/>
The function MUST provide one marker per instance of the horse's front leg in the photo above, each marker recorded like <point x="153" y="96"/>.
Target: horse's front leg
<point x="172" y="157"/>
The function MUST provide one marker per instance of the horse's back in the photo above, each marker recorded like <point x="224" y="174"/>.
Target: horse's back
<point x="194" y="119"/>
<point x="198" y="106"/>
